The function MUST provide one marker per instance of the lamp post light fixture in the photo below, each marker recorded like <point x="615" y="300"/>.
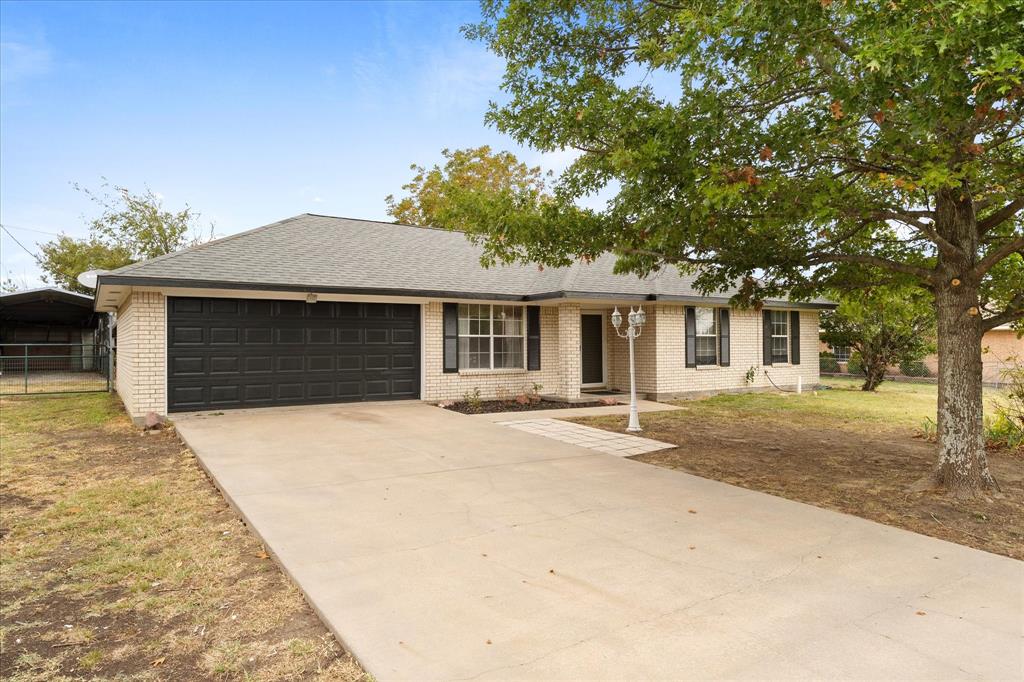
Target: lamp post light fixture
<point x="635" y="320"/>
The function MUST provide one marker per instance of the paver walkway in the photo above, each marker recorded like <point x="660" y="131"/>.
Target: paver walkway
<point x="443" y="547"/>
<point x="619" y="444"/>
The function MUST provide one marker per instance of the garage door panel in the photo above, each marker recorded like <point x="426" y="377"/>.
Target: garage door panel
<point x="254" y="393"/>
<point x="187" y="336"/>
<point x="320" y="336"/>
<point x="320" y="363"/>
<point x="403" y="361"/>
<point x="351" y="337"/>
<point x="251" y="352"/>
<point x="224" y="306"/>
<point x="186" y="306"/>
<point x="224" y="364"/>
<point x="223" y="335"/>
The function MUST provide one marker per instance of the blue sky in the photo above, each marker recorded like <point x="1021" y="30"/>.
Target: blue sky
<point x="247" y="112"/>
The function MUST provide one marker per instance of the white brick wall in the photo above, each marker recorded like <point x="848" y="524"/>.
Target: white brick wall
<point x="745" y="350"/>
<point x="437" y="385"/>
<point x="141" y="378"/>
<point x="569" y="363"/>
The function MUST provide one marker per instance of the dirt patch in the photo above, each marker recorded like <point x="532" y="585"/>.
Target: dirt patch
<point x="490" y="406"/>
<point x="120" y="559"/>
<point x="865" y="474"/>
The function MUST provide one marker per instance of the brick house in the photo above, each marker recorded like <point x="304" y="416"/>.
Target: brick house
<point x="316" y="309"/>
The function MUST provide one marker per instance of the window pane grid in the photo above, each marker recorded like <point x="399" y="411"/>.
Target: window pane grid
<point x="706" y="341"/>
<point x="780" y="336"/>
<point x="491" y="337"/>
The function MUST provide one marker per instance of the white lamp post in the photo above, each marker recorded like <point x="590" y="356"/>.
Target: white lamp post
<point x="636" y="320"/>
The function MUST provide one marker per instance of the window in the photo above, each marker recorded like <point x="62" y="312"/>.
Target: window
<point x="706" y="336"/>
<point x="491" y="336"/>
<point x="841" y="353"/>
<point x="780" y="336"/>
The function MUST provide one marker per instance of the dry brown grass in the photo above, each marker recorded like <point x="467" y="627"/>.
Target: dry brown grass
<point x="118" y="558"/>
<point x="842" y="449"/>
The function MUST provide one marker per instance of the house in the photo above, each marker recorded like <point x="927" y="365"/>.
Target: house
<point x="1001" y="349"/>
<point x="49" y="323"/>
<point x="318" y="309"/>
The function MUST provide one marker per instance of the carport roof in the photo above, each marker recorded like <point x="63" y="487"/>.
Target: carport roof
<point x="325" y="254"/>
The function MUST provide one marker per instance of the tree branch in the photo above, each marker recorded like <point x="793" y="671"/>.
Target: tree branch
<point x="1014" y="311"/>
<point x="996" y="255"/>
<point x="997" y="217"/>
<point x="877" y="261"/>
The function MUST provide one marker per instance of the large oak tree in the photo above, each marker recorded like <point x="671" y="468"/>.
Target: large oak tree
<point x="802" y="146"/>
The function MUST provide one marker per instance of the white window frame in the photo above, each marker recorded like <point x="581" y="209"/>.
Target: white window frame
<point x="697" y="336"/>
<point x="491" y="336"/>
<point x="845" y="357"/>
<point x="785" y="335"/>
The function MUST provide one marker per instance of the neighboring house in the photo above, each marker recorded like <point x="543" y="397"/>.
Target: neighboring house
<point x="316" y="309"/>
<point x="50" y="322"/>
<point x="1001" y="349"/>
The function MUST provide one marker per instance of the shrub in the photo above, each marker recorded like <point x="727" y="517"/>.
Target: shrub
<point x="827" y="362"/>
<point x="854" y="366"/>
<point x="1006" y="426"/>
<point x="472" y="399"/>
<point x="1001" y="432"/>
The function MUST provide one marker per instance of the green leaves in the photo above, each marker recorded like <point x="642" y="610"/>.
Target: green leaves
<point x="871" y="112"/>
<point x="445" y="196"/>
<point x="131" y="227"/>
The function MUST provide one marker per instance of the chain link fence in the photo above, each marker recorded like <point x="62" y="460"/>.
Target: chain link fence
<point x="29" y="368"/>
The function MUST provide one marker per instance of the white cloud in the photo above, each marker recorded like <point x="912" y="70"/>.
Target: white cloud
<point x="461" y="75"/>
<point x="20" y="61"/>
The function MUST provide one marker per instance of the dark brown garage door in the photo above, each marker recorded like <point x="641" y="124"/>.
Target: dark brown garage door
<point x="226" y="353"/>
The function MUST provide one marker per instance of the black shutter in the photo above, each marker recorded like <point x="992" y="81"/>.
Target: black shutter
<point x="766" y="337"/>
<point x="691" y="337"/>
<point x="533" y="338"/>
<point x="794" y="337"/>
<point x="723" y="337"/>
<point x="451" y="337"/>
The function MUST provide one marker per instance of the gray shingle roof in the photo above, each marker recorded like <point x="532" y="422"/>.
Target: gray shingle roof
<point x="322" y="253"/>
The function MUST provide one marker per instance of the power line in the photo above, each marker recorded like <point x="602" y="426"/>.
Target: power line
<point x="31" y="229"/>
<point x="24" y="248"/>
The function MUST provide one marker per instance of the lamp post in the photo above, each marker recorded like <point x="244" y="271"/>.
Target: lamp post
<point x="636" y="320"/>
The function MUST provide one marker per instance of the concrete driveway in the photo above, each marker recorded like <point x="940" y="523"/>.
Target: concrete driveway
<point x="439" y="546"/>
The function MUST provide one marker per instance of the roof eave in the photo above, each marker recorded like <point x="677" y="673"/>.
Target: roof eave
<point x="178" y="283"/>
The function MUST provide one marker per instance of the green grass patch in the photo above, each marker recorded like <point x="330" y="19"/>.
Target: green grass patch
<point x="892" y="405"/>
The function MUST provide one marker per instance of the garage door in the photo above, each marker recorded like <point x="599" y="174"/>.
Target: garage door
<point x="228" y="353"/>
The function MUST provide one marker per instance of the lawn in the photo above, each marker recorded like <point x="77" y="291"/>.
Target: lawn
<point x="118" y="558"/>
<point x="840" y="449"/>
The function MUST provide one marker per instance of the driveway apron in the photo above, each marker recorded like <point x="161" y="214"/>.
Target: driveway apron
<point x="439" y="546"/>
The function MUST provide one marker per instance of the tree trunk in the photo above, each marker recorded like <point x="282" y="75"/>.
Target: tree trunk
<point x="962" y="468"/>
<point x="874" y="371"/>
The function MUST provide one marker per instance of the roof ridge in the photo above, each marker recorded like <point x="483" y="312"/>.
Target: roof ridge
<point x="386" y="222"/>
<point x="192" y="249"/>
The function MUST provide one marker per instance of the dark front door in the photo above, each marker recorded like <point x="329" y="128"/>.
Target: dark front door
<point x="592" y="348"/>
<point x="226" y="353"/>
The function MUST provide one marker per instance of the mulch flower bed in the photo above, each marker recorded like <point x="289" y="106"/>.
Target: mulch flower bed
<point x="489" y="406"/>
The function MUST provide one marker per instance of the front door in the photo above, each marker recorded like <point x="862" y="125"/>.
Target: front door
<point x="592" y="349"/>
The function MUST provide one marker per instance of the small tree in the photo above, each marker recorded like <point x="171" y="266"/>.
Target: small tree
<point x="65" y="258"/>
<point x="131" y="227"/>
<point x="885" y="326"/>
<point x="434" y="194"/>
